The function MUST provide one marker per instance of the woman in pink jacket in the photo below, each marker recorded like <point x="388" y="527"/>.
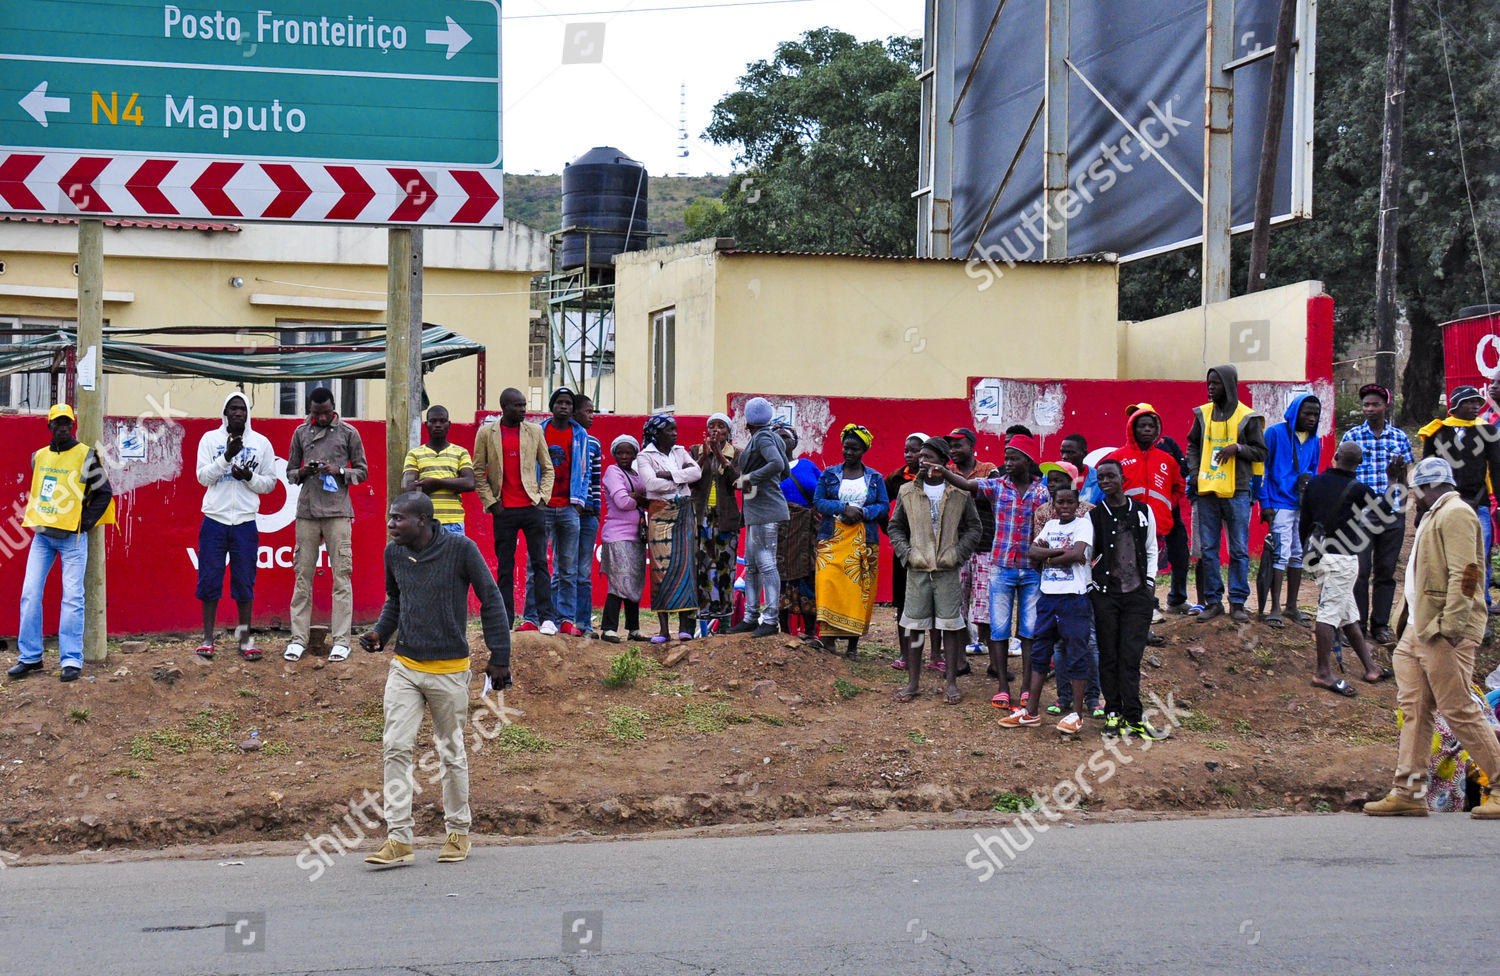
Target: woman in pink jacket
<point x="622" y="558"/>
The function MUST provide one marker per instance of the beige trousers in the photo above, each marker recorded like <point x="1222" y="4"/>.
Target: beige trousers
<point x="446" y="696"/>
<point x="336" y="534"/>
<point x="1437" y="675"/>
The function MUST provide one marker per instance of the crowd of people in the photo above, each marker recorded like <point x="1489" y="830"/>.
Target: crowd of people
<point x="1051" y="560"/>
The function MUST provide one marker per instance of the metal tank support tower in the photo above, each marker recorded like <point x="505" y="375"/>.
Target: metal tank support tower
<point x="604" y="213"/>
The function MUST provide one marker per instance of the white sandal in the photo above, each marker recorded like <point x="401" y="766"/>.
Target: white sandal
<point x="339" y="652"/>
<point x="293" y="651"/>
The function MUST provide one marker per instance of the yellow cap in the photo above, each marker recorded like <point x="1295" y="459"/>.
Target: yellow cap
<point x="61" y="410"/>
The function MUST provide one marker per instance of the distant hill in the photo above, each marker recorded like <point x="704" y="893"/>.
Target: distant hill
<point x="537" y="201"/>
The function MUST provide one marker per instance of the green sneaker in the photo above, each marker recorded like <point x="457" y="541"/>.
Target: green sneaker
<point x="1057" y="708"/>
<point x="1097" y="712"/>
<point x="1145" y="731"/>
<point x="1112" y="724"/>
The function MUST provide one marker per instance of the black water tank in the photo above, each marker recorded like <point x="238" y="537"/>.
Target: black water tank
<point x="603" y="190"/>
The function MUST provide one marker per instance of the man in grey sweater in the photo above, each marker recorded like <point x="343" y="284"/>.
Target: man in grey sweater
<point x="428" y="575"/>
<point x="762" y="465"/>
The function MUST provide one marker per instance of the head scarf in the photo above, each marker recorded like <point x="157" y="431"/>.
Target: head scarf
<point x="656" y="425"/>
<point x="724" y="418"/>
<point x="919" y="436"/>
<point x="863" y="433"/>
<point x="624" y="439"/>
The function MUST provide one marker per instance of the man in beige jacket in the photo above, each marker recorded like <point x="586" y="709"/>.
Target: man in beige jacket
<point x="513" y="477"/>
<point x="1434" y="659"/>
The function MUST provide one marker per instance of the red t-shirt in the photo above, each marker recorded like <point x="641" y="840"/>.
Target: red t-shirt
<point x="512" y="491"/>
<point x="560" y="447"/>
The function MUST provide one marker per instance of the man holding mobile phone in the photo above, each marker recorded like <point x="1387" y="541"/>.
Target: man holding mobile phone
<point x="428" y="576"/>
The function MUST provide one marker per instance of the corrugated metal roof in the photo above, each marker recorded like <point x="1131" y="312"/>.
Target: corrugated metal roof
<point x="124" y="222"/>
<point x="1098" y="257"/>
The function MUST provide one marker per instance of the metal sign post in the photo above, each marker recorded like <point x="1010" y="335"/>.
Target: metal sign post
<point x="90" y="411"/>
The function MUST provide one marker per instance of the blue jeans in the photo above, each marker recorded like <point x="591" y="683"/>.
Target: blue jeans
<point x="454" y="528"/>
<point x="760" y="575"/>
<point x="588" y="538"/>
<point x="1487" y="535"/>
<point x="45" y="550"/>
<point x="1009" y="589"/>
<point x="1092" y="690"/>
<point x="1213" y="516"/>
<point x="561" y="528"/>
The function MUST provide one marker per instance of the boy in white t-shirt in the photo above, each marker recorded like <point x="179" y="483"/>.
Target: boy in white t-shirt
<point x="1061" y="553"/>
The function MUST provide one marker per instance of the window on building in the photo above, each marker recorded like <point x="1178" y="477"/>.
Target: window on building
<point x="32" y="392"/>
<point x="348" y="395"/>
<point x="663" y="360"/>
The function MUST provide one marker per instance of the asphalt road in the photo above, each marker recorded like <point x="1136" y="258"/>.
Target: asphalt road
<point x="1344" y="894"/>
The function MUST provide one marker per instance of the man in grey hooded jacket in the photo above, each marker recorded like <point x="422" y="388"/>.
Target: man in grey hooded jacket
<point x="762" y="466"/>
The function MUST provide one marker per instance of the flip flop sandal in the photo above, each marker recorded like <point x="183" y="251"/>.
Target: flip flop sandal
<point x="660" y="639"/>
<point x="1339" y="687"/>
<point x="899" y="664"/>
<point x="684" y="636"/>
<point x="952" y="699"/>
<point x="1001" y="701"/>
<point x="938" y="666"/>
<point x="251" y="653"/>
<point x="635" y="635"/>
<point x="1275" y="620"/>
<point x="205" y="651"/>
<point x="293" y="652"/>
<point x="1386" y="674"/>
<point x="903" y="696"/>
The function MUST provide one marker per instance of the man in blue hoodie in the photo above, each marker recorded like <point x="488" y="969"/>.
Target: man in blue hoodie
<point x="567" y="446"/>
<point x="1292" y="453"/>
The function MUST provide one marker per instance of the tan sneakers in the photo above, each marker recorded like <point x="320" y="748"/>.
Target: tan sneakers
<point x="392" y="852"/>
<point x="1395" y="805"/>
<point x="1488" y="809"/>
<point x="455" y="848"/>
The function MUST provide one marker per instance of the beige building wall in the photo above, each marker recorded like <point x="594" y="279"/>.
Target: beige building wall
<point x="832" y="325"/>
<point x="1264" y="334"/>
<point x="475" y="283"/>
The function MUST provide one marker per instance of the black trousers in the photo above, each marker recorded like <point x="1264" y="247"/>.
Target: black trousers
<point x="1377" y="565"/>
<point x="612" y="604"/>
<point x="527" y="521"/>
<point x="1177" y="555"/>
<point x="1121" y="623"/>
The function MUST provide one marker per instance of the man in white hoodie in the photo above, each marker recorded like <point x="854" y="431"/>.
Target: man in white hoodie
<point x="235" y="465"/>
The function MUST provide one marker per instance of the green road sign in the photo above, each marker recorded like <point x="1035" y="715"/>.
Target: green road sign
<point x="371" y="81"/>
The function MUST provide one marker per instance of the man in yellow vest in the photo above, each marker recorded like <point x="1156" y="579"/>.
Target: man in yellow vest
<point x="70" y="494"/>
<point x="1225" y="447"/>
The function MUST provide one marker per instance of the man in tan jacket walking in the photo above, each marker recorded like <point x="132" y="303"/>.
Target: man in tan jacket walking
<point x="1434" y="659"/>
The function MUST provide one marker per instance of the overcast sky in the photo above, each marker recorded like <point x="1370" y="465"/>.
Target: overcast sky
<point x="569" y="87"/>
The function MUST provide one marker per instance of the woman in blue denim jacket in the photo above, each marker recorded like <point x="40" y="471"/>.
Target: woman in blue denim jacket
<point x="849" y="500"/>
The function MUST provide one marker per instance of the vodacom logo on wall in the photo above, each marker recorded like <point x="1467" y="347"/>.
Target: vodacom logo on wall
<point x="268" y="523"/>
<point x="1487" y="356"/>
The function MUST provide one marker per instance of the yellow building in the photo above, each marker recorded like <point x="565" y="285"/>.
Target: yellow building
<point x="695" y="322"/>
<point x="324" y="281"/>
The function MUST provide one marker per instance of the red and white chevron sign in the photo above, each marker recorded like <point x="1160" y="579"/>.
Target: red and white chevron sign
<point x="299" y="192"/>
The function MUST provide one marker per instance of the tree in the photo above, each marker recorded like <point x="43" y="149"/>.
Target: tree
<point x="827" y="134"/>
<point x="1438" y="269"/>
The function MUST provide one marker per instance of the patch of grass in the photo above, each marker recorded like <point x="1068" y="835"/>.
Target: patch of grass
<point x="672" y="689"/>
<point x="874" y="667"/>
<point x="1198" y="722"/>
<point x="1264" y="657"/>
<point x="212" y="730"/>
<point x="519" y="738"/>
<point x="276" y="749"/>
<point x="1217" y="745"/>
<point x="248" y="693"/>
<point x="1008" y="802"/>
<point x="127" y="772"/>
<point x="1243" y="729"/>
<point x="626" y="667"/>
<point x="369" y="721"/>
<point x="348" y="753"/>
<point x="916" y="736"/>
<point x="846" y="689"/>
<point x="141" y="749"/>
<point x="838" y="747"/>
<point x="1322" y="806"/>
<point x="1227" y="788"/>
<point x="761" y="717"/>
<point x="706" y="717"/>
<point x="79" y="715"/>
<point x="626" y="723"/>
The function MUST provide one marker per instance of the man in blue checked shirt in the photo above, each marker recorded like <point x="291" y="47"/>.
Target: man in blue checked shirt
<point x="1387" y="451"/>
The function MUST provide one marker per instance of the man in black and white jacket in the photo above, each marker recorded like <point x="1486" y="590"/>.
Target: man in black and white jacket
<point x="1123" y="596"/>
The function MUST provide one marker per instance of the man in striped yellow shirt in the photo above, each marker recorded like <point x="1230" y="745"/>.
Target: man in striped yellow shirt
<point x="441" y="471"/>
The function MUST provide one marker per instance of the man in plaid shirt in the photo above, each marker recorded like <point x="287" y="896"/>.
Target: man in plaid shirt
<point x="1014" y="583"/>
<point x="1387" y="451"/>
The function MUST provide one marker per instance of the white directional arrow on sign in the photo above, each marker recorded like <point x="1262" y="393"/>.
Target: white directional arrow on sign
<point x="38" y="103"/>
<point x="455" y="37"/>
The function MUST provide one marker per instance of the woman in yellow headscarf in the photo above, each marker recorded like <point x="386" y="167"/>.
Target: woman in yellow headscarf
<point x="849" y="500"/>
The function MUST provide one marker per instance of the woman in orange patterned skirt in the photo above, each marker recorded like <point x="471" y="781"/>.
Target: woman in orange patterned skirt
<point x="849" y="501"/>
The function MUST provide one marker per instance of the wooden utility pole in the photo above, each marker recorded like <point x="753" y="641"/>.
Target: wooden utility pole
<point x="397" y="358"/>
<point x="90" y="411"/>
<point x="1055" y="132"/>
<point x="414" y="342"/>
<point x="1218" y="150"/>
<point x="1270" y="145"/>
<point x="1390" y="197"/>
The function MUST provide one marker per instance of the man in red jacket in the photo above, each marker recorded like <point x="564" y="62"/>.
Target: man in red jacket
<point x="1152" y="476"/>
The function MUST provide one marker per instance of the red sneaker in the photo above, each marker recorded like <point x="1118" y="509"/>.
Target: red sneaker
<point x="527" y="627"/>
<point x="569" y="629"/>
